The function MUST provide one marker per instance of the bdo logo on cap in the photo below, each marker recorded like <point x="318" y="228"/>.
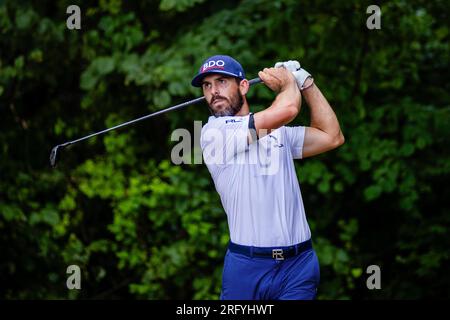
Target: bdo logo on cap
<point x="218" y="64"/>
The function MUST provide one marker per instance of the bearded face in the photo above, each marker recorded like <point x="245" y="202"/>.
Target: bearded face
<point x="223" y="95"/>
<point x="221" y="106"/>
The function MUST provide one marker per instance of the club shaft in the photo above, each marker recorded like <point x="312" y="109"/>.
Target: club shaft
<point x="178" y="106"/>
<point x="254" y="81"/>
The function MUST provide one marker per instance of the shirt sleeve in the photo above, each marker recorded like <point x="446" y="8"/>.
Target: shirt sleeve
<point x="223" y="138"/>
<point x="295" y="137"/>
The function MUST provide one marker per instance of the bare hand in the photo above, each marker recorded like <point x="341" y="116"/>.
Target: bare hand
<point x="277" y="79"/>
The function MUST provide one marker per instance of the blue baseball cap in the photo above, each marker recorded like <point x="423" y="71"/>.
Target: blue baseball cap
<point x="219" y="64"/>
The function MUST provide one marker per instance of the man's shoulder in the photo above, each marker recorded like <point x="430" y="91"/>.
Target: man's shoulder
<point x="211" y="123"/>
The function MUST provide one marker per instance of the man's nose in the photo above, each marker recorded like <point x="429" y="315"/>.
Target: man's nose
<point x="215" y="89"/>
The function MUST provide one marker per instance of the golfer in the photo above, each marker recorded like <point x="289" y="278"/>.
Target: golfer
<point x="251" y="160"/>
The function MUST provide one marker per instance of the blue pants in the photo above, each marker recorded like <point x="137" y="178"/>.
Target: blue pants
<point x="264" y="278"/>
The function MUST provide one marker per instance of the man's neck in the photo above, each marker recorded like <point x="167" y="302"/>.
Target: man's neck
<point x="245" y="110"/>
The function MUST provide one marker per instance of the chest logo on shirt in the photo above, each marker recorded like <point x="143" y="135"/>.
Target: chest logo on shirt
<point x="232" y="121"/>
<point x="279" y="145"/>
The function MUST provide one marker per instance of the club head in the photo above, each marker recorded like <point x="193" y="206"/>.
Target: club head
<point x="53" y="156"/>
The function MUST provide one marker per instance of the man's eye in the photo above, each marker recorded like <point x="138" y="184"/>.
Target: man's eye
<point x="222" y="81"/>
<point x="206" y="85"/>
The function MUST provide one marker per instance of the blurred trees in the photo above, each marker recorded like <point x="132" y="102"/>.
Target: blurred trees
<point x="141" y="227"/>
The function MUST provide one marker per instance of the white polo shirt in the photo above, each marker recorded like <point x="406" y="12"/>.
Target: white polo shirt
<point x="257" y="183"/>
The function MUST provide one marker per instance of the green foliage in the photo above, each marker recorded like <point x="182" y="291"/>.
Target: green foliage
<point x="180" y="5"/>
<point x="141" y="227"/>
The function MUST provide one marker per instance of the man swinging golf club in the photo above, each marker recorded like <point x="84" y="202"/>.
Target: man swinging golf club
<point x="250" y="158"/>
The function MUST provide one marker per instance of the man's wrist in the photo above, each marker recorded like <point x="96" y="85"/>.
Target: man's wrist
<point x="289" y="84"/>
<point x="301" y="76"/>
<point x="307" y="84"/>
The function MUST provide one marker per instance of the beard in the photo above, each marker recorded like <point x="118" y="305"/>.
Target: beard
<point x="235" y="104"/>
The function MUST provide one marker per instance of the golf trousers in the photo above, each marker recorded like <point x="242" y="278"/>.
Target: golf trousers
<point x="278" y="273"/>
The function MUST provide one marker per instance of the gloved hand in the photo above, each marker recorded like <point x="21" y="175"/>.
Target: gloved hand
<point x="291" y="65"/>
<point x="300" y="74"/>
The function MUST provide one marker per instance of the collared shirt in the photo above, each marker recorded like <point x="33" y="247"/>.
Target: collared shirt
<point x="257" y="182"/>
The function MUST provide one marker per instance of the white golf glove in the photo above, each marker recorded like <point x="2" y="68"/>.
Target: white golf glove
<point x="294" y="66"/>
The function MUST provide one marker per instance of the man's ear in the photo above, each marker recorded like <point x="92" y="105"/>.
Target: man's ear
<point x="244" y="85"/>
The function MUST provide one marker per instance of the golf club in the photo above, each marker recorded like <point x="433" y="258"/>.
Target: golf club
<point x="56" y="149"/>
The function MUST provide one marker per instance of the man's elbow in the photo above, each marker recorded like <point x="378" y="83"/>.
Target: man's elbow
<point x="339" y="140"/>
<point x="293" y="108"/>
<point x="287" y="113"/>
<point x="291" y="112"/>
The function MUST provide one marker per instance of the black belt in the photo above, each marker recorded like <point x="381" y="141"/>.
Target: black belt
<point x="276" y="253"/>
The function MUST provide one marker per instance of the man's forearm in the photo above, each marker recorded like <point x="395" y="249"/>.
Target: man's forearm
<point x="322" y="115"/>
<point x="288" y="96"/>
<point x="282" y="111"/>
<point x="286" y="106"/>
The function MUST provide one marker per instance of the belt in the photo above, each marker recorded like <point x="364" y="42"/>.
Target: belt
<point x="276" y="253"/>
